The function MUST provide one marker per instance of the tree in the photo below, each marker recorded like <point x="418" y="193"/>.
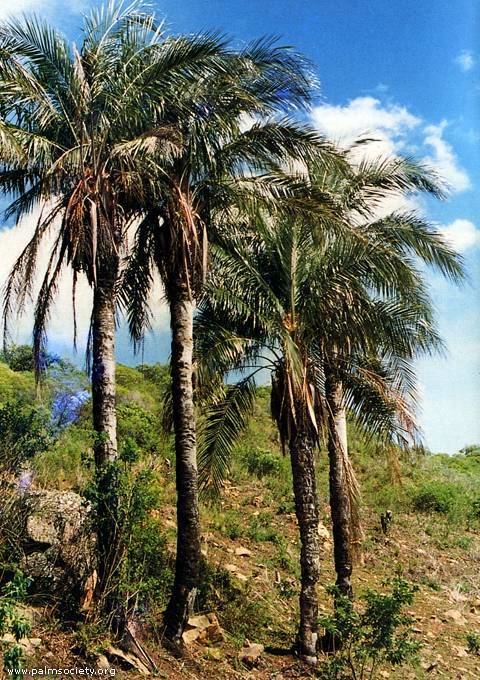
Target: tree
<point x="291" y="297"/>
<point x="78" y="131"/>
<point x="233" y="155"/>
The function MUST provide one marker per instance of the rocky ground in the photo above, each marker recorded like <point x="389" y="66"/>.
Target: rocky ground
<point x="443" y="561"/>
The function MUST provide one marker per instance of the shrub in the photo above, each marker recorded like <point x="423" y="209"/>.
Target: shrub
<point x="241" y="613"/>
<point x="473" y="643"/>
<point x="11" y="622"/>
<point x="436" y="496"/>
<point x="379" y="634"/>
<point x="261" y="462"/>
<point x="24" y="432"/>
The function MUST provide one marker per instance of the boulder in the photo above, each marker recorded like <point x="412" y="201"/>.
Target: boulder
<point x="204" y="629"/>
<point x="250" y="654"/>
<point x="58" y="545"/>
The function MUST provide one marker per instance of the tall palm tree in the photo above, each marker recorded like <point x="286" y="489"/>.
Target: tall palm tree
<point x="291" y="298"/>
<point x="234" y="155"/>
<point x="367" y="359"/>
<point x="80" y="131"/>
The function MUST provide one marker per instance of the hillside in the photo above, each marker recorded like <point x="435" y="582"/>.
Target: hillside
<point x="250" y="543"/>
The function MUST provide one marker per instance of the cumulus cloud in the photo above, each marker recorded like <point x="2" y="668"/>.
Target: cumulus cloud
<point x="444" y="159"/>
<point x="462" y="234"/>
<point x="395" y="130"/>
<point x="466" y="60"/>
<point x="366" y="117"/>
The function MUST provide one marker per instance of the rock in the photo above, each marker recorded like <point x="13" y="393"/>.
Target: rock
<point x="58" y="545"/>
<point x="102" y="662"/>
<point x="243" y="552"/>
<point x="455" y="616"/>
<point x="250" y="654"/>
<point x="203" y="629"/>
<point x="461" y="652"/>
<point x="127" y="660"/>
<point x="28" y="645"/>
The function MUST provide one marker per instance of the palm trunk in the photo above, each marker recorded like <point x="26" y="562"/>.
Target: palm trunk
<point x="339" y="496"/>
<point x="188" y="520"/>
<point x="105" y="446"/>
<point x="306" y="508"/>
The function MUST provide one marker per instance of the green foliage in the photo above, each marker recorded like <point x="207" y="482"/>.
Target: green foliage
<point x="379" y="634"/>
<point x="24" y="432"/>
<point x="140" y="427"/>
<point x="240" y="611"/>
<point x="437" y="496"/>
<point x="11" y="622"/>
<point x="473" y="643"/>
<point x="147" y="568"/>
<point x="261" y="462"/>
<point x="18" y="357"/>
<point x="261" y="528"/>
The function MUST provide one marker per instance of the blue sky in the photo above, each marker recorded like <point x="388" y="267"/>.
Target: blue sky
<point x="408" y="72"/>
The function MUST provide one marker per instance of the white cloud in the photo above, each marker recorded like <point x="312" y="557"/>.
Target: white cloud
<point x="444" y="159"/>
<point x="365" y="116"/>
<point x="466" y="60"/>
<point x="41" y="7"/>
<point x="462" y="234"/>
<point x="395" y="131"/>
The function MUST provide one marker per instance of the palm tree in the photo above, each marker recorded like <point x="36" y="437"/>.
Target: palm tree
<point x="234" y="155"/>
<point x="381" y="322"/>
<point x="79" y="134"/>
<point x="293" y="298"/>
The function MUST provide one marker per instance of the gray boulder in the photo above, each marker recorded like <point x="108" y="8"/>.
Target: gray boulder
<point x="58" y="545"/>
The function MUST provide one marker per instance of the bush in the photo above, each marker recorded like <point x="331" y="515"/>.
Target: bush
<point x="437" y="496"/>
<point x="473" y="643"/>
<point x="376" y="636"/>
<point x="24" y="432"/>
<point x="10" y="621"/>
<point x="261" y="462"/>
<point x="241" y="613"/>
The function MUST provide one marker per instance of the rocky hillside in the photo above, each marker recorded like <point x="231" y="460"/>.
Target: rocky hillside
<point x="247" y="604"/>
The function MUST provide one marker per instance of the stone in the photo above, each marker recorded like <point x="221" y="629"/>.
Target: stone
<point x="461" y="652"/>
<point x="455" y="616"/>
<point x="250" y="654"/>
<point x="204" y="629"/>
<point x="243" y="552"/>
<point x="58" y="545"/>
<point x="102" y="662"/>
<point x="323" y="532"/>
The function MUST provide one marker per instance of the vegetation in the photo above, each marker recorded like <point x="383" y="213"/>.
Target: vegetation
<point x="149" y="155"/>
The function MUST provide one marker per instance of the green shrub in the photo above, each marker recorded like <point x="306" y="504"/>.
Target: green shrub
<point x="473" y="643"/>
<point x="24" y="432"/>
<point x="378" y="635"/>
<point x="437" y="496"/>
<point x="241" y="612"/>
<point x="11" y="622"/>
<point x="261" y="462"/>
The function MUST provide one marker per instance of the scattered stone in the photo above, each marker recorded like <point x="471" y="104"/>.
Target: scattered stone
<point x="204" y="629"/>
<point x="29" y="645"/>
<point x="250" y="654"/>
<point x="455" y="616"/>
<point x="461" y="652"/>
<point x="243" y="552"/>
